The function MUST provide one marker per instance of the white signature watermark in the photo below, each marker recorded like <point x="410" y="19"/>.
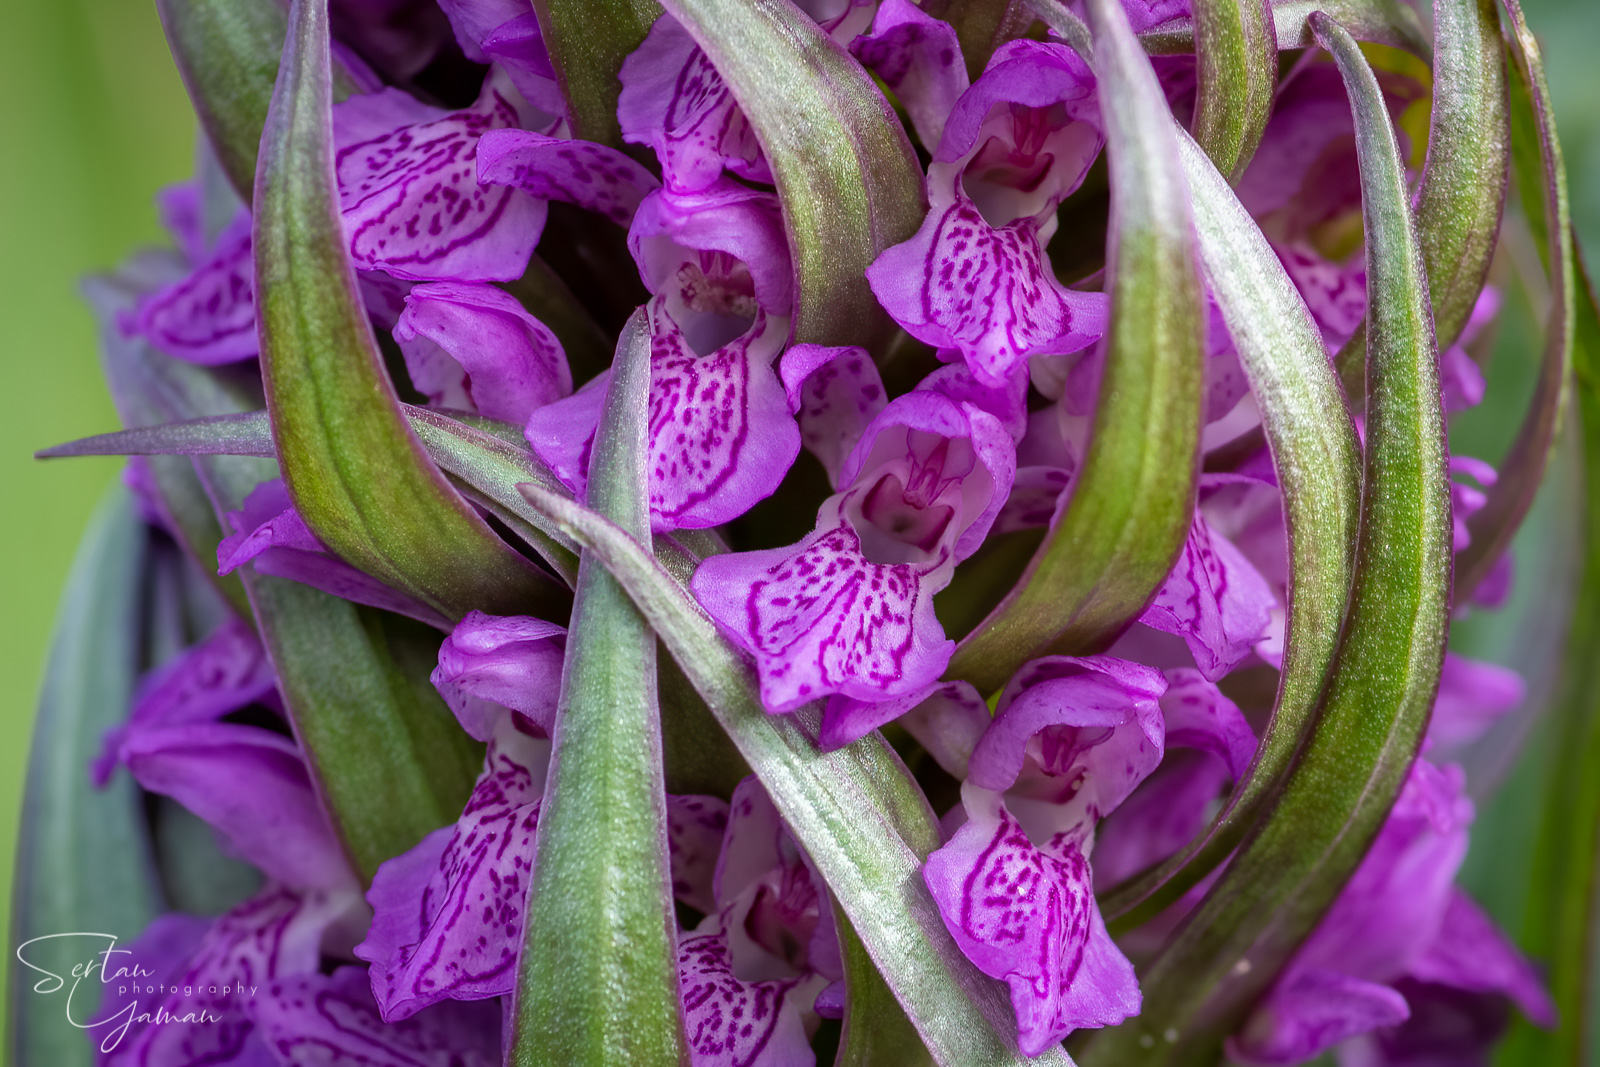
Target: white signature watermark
<point x="119" y="978"/>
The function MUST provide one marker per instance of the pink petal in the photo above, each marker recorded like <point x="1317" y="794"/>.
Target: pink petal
<point x="835" y="393"/>
<point x="491" y="663"/>
<point x="1311" y="1013"/>
<point x="1213" y="599"/>
<point x="919" y="58"/>
<point x="208" y="317"/>
<point x="593" y="176"/>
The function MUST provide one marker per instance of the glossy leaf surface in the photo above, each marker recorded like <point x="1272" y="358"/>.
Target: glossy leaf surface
<point x="357" y="474"/>
<point x="598" y="972"/>
<point x="1132" y="502"/>
<point x="1292" y="866"/>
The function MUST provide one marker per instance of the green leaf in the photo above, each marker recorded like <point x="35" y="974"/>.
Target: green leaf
<point x="848" y="181"/>
<point x="876" y="1030"/>
<point x="388" y="759"/>
<point x="856" y="810"/>
<point x="1293" y="864"/>
<point x="587" y="41"/>
<point x="1132" y="501"/>
<point x="83" y="859"/>
<point x="1236" y="52"/>
<point x="1544" y="193"/>
<point x="227" y="52"/>
<point x="1390" y="22"/>
<point x="357" y="474"/>
<point x="598" y="974"/>
<point x="1318" y="462"/>
<point x="981" y="26"/>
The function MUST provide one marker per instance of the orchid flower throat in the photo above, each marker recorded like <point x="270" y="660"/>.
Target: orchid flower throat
<point x="917" y="489"/>
<point x="1028" y="159"/>
<point x="712" y="298"/>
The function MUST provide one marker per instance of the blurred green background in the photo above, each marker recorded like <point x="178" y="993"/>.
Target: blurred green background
<point x="95" y="120"/>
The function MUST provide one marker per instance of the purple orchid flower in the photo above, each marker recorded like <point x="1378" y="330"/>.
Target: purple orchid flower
<point x="975" y="277"/>
<point x="1070" y="740"/>
<point x="849" y="609"/>
<point x="721" y="432"/>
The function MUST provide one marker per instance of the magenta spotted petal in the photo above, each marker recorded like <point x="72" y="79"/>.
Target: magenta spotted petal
<point x="1213" y="599"/>
<point x="473" y="347"/>
<point x="721" y="435"/>
<point x="987" y="291"/>
<point x="735" y="1023"/>
<point x="695" y="828"/>
<point x="275" y="934"/>
<point x="1025" y="914"/>
<point x="674" y="100"/>
<point x="592" y="176"/>
<point x="492" y="664"/>
<point x="835" y="393"/>
<point x="253" y="787"/>
<point x="208" y="317"/>
<point x="447" y="915"/>
<point x="312" y="1020"/>
<point x="409" y="192"/>
<point x="918" y="57"/>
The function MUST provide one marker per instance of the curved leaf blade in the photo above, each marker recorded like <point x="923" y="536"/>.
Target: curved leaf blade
<point x="227" y="52"/>
<point x="598" y="972"/>
<point x="1132" y="501"/>
<point x="1375" y="710"/>
<point x="357" y="474"/>
<point x="856" y="810"/>
<point x="1236" y="51"/>
<point x="1318" y="462"/>
<point x="83" y="857"/>
<point x="876" y="1030"/>
<point x="1389" y="22"/>
<point x="848" y="181"/>
<point x="1522" y="469"/>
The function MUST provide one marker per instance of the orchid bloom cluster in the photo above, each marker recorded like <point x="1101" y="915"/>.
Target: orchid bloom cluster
<point x="840" y="513"/>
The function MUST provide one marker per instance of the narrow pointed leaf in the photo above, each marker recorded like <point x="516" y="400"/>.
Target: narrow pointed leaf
<point x="847" y="178"/>
<point x="598" y="973"/>
<point x="587" y="41"/>
<point x="1464" y="177"/>
<point x="856" y="810"/>
<point x="227" y="52"/>
<point x="1390" y="22"/>
<point x="1292" y="866"/>
<point x="1561" y="912"/>
<point x="83" y="861"/>
<point x="1544" y="192"/>
<point x="357" y="474"/>
<point x="1236" y="51"/>
<point x="1318" y="462"/>
<point x="1132" y="502"/>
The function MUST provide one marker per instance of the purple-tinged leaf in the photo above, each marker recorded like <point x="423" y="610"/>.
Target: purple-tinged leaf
<point x="1390" y="22"/>
<point x="1291" y="866"/>
<point x="1522" y="470"/>
<point x="1132" y="500"/>
<point x="354" y="469"/>
<point x="597" y="979"/>
<point x="846" y="176"/>
<point x="1236" y="60"/>
<point x="227" y="52"/>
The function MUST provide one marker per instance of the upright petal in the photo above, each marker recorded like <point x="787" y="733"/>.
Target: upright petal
<point x="1471" y="953"/>
<point x="919" y="58"/>
<point x="492" y="663"/>
<point x="674" y="100"/>
<point x="593" y="176"/>
<point x="448" y="915"/>
<point x="835" y="393"/>
<point x="471" y="346"/>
